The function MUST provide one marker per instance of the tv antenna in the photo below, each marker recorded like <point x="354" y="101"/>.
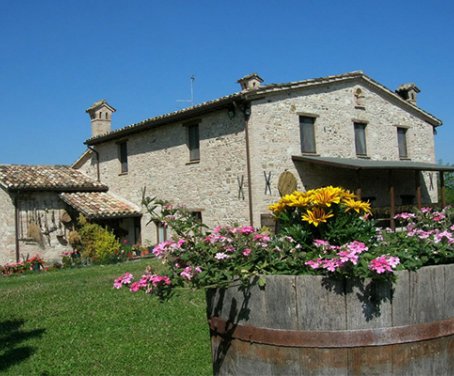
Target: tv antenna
<point x="191" y="101"/>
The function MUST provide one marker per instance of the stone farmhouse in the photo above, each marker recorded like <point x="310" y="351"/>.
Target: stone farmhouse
<point x="40" y="205"/>
<point x="228" y="159"/>
<point x="224" y="159"/>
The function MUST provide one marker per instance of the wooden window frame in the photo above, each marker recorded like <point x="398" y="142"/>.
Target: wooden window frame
<point x="402" y="143"/>
<point x="123" y="156"/>
<point x="360" y="138"/>
<point x="307" y="134"/>
<point x="193" y="140"/>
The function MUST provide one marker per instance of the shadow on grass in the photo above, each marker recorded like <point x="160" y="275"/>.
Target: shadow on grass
<point x="11" y="337"/>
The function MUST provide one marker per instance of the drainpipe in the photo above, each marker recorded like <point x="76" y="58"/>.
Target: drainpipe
<point x="16" y="224"/>
<point x="98" y="174"/>
<point x="247" y="114"/>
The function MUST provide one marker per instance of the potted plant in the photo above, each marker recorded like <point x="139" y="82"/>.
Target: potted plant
<point x="329" y="291"/>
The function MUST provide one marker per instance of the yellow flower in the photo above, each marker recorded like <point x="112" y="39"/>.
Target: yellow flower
<point x="357" y="206"/>
<point x="327" y="196"/>
<point x="299" y="199"/>
<point x="316" y="216"/>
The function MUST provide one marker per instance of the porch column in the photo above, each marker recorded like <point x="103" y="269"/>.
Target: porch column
<point x="392" y="202"/>
<point x="358" y="184"/>
<point x="442" y="188"/>
<point x="418" y="188"/>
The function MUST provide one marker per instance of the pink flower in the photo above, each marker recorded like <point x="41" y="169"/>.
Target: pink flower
<point x="246" y="230"/>
<point x="444" y="235"/>
<point x="321" y="243"/>
<point x="404" y="215"/>
<point x="426" y="210"/>
<point x="438" y="216"/>
<point x="314" y="264"/>
<point x="383" y="264"/>
<point x="346" y="256"/>
<point x="331" y="264"/>
<point x="221" y="256"/>
<point x="187" y="273"/>
<point x="125" y="279"/>
<point x="135" y="286"/>
<point x="160" y="279"/>
<point x="246" y="252"/>
<point x="357" y="247"/>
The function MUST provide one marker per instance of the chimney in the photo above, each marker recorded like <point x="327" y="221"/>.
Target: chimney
<point x="250" y="82"/>
<point x="408" y="92"/>
<point x="101" y="118"/>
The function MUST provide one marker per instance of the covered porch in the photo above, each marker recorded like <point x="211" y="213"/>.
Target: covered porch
<point x="390" y="186"/>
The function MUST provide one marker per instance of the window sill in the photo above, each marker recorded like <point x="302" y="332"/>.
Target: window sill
<point x="361" y="156"/>
<point x="360" y="107"/>
<point x="193" y="162"/>
<point x="310" y="154"/>
<point x="405" y="159"/>
<point x="123" y="173"/>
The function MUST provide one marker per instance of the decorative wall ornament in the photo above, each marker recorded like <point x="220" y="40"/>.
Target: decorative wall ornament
<point x="267" y="182"/>
<point x="287" y="183"/>
<point x="240" y="187"/>
<point x="431" y="181"/>
<point x="359" y="97"/>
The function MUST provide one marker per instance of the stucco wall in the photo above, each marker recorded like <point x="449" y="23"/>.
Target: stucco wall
<point x="275" y="137"/>
<point x="158" y="159"/>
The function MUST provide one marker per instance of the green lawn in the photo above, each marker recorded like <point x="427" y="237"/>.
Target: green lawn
<point x="72" y="322"/>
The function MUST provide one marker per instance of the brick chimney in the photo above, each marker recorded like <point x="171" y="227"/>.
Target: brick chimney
<point x="408" y="92"/>
<point x="101" y="118"/>
<point x="250" y="82"/>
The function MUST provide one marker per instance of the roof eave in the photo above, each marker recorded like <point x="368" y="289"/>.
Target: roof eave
<point x="276" y="88"/>
<point x="165" y="119"/>
<point x="57" y="189"/>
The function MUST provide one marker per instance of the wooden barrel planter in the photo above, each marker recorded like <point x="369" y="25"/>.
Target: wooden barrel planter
<point x="311" y="325"/>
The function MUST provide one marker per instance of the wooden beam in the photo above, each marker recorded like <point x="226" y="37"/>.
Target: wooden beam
<point x="358" y="184"/>
<point x="443" y="189"/>
<point x="392" y="201"/>
<point x="418" y="188"/>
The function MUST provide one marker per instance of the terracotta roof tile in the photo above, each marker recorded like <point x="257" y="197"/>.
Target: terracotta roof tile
<point x="52" y="178"/>
<point x="96" y="205"/>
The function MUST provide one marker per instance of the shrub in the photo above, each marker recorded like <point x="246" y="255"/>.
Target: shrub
<point x="97" y="243"/>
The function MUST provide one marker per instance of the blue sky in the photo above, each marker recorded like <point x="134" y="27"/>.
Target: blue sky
<point x="57" y="57"/>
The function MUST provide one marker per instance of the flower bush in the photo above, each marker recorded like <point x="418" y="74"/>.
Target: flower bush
<point x="323" y="231"/>
<point x="34" y="263"/>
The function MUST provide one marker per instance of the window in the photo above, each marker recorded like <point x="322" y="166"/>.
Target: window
<point x="197" y="215"/>
<point x="360" y="139"/>
<point x="307" y="134"/>
<point x="193" y="142"/>
<point x="402" y="142"/>
<point x="123" y="157"/>
<point x="161" y="231"/>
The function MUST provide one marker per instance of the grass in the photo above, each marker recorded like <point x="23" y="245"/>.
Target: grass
<point x="72" y="322"/>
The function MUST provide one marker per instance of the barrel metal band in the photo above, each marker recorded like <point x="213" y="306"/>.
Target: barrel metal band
<point x="333" y="339"/>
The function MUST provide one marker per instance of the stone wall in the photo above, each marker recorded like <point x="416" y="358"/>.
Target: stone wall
<point x="7" y="229"/>
<point x="38" y="226"/>
<point x="158" y="159"/>
<point x="275" y="137"/>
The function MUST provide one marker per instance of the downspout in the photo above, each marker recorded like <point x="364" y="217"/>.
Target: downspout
<point x="247" y="114"/>
<point x="98" y="174"/>
<point x="16" y="224"/>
